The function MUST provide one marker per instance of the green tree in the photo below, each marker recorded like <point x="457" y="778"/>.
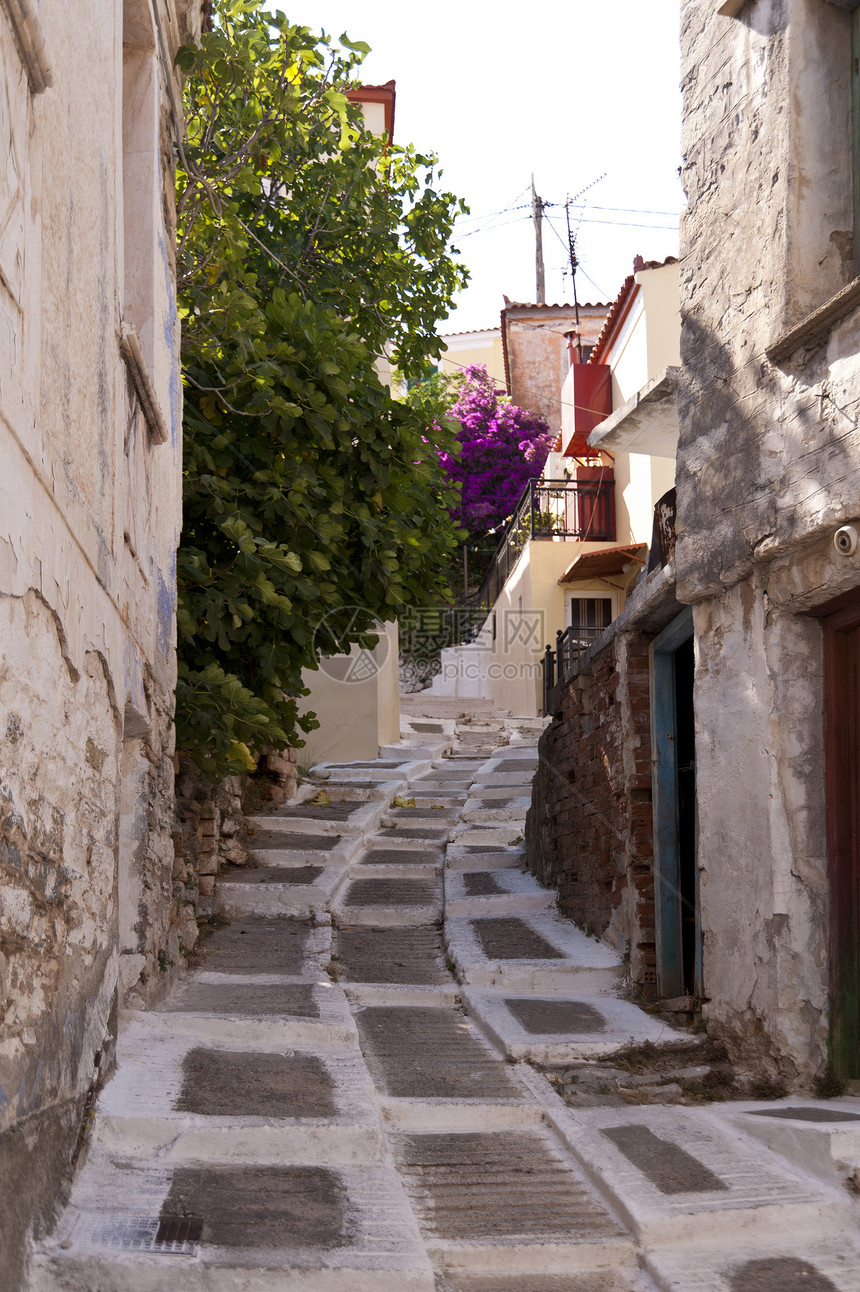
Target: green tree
<point x="307" y="247"/>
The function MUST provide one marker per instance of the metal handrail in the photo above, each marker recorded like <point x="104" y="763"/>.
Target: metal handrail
<point x="557" y="663"/>
<point x="547" y="509"/>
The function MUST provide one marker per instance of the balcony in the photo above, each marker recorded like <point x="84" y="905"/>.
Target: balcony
<point x="582" y="509"/>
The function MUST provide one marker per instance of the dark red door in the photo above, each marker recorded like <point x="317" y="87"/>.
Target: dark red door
<point x="842" y="736"/>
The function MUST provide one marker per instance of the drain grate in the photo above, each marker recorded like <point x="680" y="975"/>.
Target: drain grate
<point x="167" y="1236"/>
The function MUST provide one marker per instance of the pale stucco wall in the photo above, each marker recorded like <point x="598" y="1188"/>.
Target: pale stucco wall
<point x="508" y="669"/>
<point x="356" y="699"/>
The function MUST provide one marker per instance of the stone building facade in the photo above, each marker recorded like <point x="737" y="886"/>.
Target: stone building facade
<point x="768" y="471"/>
<point x="752" y="628"/>
<point x="90" y="439"/>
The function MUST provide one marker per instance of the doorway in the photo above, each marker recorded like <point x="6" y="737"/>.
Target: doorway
<point x="678" y="930"/>
<point x="842" y="768"/>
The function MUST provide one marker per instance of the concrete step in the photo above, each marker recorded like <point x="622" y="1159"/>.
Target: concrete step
<point x="288" y="848"/>
<point x="254" y="1010"/>
<point x="235" y="1228"/>
<point x="497" y="812"/>
<point x="388" y="901"/>
<point x="178" y="1100"/>
<point x="746" y="1265"/>
<point x="433" y="1053"/>
<point x="557" y="1028"/>
<point x="677" y="1175"/>
<point x="505" y="891"/>
<point x="338" y="818"/>
<point x="819" y="1136"/>
<point x="507" y="1202"/>
<point x="507" y="834"/>
<point x="280" y="890"/>
<point x="530" y="953"/>
<point x="381" y="770"/>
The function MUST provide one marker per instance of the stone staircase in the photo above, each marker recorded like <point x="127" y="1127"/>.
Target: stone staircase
<point x="345" y="1095"/>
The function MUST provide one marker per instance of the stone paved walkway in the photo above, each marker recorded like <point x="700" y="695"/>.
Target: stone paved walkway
<point x="343" y="1097"/>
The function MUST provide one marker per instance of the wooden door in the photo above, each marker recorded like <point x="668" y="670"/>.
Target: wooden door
<point x="842" y="760"/>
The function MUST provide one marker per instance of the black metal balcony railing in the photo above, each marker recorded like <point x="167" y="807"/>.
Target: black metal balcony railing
<point x="569" y="645"/>
<point x="547" y="509"/>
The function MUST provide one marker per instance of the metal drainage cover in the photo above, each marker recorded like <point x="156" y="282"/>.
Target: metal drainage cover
<point x="167" y="1236"/>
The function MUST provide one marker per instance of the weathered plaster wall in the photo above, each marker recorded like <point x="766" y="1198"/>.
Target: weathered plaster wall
<point x="767" y="469"/>
<point x="537" y="353"/>
<point x="89" y="523"/>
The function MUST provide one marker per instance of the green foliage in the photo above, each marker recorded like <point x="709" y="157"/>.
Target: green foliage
<point x="306" y="249"/>
<point x="433" y="396"/>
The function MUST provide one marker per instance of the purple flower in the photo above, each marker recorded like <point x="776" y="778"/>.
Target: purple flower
<point x="502" y="448"/>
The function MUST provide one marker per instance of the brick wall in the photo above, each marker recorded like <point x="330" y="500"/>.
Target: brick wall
<point x="589" y="829"/>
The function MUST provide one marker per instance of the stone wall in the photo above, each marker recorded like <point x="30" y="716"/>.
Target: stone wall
<point x="209" y="831"/>
<point x="588" y="831"/>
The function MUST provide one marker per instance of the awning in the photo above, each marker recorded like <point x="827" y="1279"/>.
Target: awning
<point x="604" y="562"/>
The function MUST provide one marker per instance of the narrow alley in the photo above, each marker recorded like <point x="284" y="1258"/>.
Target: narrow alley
<point x="350" y="1092"/>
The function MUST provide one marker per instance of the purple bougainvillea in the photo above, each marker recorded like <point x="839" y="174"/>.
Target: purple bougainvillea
<point x="503" y="447"/>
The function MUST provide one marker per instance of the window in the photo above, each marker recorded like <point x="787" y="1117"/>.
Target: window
<point x="588" y="617"/>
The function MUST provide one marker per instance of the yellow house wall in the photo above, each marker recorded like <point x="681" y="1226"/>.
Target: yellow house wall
<point x="355" y="717"/>
<point x="488" y="352"/>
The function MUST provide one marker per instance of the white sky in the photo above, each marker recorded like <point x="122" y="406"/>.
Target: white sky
<point x="568" y="89"/>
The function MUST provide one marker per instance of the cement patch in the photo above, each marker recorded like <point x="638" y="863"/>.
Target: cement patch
<point x="666" y="1164"/>
<point x="398" y="857"/>
<point x="788" y="1273"/>
<point x="262" y="1206"/>
<point x="290" y="841"/>
<point x="258" y="945"/>
<point x="430" y="1054"/>
<point x="399" y="833"/>
<point x="556" y="1016"/>
<point x="481" y="883"/>
<point x="616" y="1280"/>
<point x="270" y="874"/>
<point x="250" y="1000"/>
<point x="391" y="955"/>
<point x="391" y="892"/>
<point x="498" y="1187"/>
<point x="508" y="938"/>
<point x="807" y="1113"/>
<point x="232" y="1083"/>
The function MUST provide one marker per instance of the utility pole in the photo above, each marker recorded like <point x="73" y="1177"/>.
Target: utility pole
<point x="537" y="216"/>
<point x="574" y="262"/>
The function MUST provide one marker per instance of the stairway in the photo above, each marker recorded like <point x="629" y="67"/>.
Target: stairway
<point x="344" y="1097"/>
